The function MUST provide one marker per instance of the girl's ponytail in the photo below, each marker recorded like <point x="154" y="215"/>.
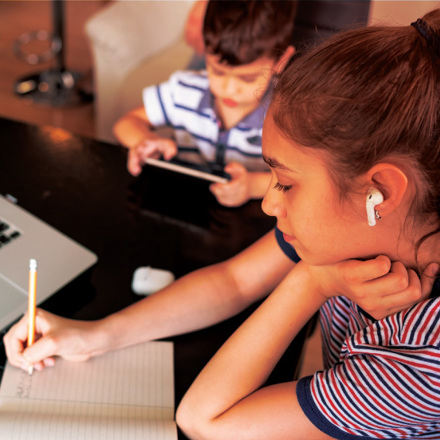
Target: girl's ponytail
<point x="431" y="38"/>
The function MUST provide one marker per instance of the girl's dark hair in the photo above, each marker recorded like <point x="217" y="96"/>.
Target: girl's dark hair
<point x="366" y="96"/>
<point x="242" y="31"/>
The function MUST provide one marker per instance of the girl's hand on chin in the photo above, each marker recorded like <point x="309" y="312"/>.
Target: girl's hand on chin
<point x="380" y="287"/>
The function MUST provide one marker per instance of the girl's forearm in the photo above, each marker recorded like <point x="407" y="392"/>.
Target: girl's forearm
<point x="245" y="361"/>
<point x="201" y="298"/>
<point x="190" y="303"/>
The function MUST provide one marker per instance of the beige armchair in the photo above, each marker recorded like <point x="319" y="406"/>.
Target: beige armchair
<point x="134" y="44"/>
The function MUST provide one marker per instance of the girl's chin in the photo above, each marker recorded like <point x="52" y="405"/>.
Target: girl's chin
<point x="309" y="257"/>
<point x="312" y="259"/>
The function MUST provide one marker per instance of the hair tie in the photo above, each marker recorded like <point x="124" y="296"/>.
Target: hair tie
<point x="428" y="34"/>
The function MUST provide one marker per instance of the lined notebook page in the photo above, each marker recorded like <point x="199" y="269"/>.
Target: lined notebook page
<point x="127" y="394"/>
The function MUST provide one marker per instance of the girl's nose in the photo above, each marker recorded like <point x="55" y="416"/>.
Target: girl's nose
<point x="272" y="203"/>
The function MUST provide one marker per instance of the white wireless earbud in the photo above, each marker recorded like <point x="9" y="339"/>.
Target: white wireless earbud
<point x="374" y="197"/>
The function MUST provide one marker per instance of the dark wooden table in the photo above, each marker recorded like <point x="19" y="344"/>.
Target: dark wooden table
<point x="163" y="219"/>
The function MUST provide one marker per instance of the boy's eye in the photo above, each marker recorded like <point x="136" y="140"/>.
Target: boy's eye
<point x="248" y="79"/>
<point x="217" y="72"/>
<point x="283" y="188"/>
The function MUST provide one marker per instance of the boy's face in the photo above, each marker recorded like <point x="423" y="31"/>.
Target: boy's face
<point x="241" y="87"/>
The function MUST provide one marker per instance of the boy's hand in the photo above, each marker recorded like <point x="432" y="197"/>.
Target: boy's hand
<point x="152" y="147"/>
<point x="237" y="191"/>
<point x="378" y="286"/>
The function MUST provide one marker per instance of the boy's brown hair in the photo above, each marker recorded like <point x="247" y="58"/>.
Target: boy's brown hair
<point x="242" y="31"/>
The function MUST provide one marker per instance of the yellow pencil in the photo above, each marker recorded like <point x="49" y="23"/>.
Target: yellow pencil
<point x="32" y="305"/>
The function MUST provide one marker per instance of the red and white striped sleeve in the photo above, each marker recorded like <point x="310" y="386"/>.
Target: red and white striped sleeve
<point x="386" y="382"/>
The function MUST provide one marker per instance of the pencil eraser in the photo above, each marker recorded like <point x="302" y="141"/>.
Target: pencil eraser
<point x="33" y="264"/>
<point x="147" y="280"/>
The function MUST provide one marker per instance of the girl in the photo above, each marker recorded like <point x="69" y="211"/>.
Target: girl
<point x="324" y="129"/>
<point x="352" y="138"/>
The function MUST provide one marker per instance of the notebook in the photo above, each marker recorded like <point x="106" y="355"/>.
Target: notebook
<point x="22" y="237"/>
<point x="125" y="394"/>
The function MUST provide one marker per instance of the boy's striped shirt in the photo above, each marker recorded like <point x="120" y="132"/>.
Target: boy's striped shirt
<point x="185" y="104"/>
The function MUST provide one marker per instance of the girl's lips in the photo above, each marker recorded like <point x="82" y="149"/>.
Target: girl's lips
<point x="288" y="237"/>
<point x="230" y="102"/>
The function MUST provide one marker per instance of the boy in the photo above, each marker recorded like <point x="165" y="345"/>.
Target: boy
<point x="217" y="115"/>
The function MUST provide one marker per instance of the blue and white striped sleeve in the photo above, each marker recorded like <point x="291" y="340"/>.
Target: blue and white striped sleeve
<point x="158" y="103"/>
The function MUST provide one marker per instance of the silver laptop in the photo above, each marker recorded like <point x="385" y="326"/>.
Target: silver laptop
<point x="22" y="237"/>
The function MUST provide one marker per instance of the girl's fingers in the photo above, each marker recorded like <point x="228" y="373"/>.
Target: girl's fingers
<point x="428" y="278"/>
<point x="15" y="341"/>
<point x="383" y="288"/>
<point x="418" y="289"/>
<point x="399" y="277"/>
<point x="369" y="270"/>
<point x="393" y="281"/>
<point x="400" y="300"/>
<point x="413" y="287"/>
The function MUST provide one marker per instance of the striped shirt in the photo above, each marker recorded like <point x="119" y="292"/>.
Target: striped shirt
<point x="185" y="104"/>
<point x="382" y="377"/>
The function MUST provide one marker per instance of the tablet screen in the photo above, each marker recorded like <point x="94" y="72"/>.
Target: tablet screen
<point x="205" y="172"/>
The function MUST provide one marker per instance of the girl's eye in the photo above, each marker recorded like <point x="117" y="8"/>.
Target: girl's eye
<point x="283" y="188"/>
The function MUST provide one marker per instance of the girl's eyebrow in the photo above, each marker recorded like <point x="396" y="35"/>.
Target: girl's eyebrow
<point x="273" y="163"/>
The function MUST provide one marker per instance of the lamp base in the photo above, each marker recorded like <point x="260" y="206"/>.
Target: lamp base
<point x="53" y="87"/>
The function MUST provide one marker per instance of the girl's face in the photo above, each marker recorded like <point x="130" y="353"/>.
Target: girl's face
<point x="303" y="198"/>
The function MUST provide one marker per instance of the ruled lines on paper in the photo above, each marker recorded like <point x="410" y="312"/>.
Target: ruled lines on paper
<point x="127" y="394"/>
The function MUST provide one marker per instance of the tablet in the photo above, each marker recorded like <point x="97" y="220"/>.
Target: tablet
<point x="200" y="171"/>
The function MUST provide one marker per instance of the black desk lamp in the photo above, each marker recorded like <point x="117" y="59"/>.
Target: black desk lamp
<point x="58" y="85"/>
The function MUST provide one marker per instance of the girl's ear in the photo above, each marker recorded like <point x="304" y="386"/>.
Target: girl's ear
<point x="283" y="60"/>
<point x="392" y="182"/>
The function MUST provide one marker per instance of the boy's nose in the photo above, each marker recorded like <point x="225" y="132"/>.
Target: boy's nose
<point x="230" y="85"/>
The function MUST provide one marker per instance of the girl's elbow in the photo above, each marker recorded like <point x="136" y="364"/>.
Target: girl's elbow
<point x="191" y="422"/>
